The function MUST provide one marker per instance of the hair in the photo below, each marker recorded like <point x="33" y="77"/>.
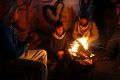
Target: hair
<point x="58" y="24"/>
<point x="85" y="16"/>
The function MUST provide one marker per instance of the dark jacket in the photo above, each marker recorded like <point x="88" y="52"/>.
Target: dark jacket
<point x="10" y="46"/>
<point x="58" y="43"/>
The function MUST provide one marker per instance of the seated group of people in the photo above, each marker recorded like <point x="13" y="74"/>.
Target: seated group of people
<point x="60" y="40"/>
<point x="13" y="48"/>
<point x="57" y="48"/>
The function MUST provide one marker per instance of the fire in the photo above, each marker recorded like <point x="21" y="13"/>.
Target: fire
<point x="76" y="44"/>
<point x="79" y="51"/>
<point x="83" y="42"/>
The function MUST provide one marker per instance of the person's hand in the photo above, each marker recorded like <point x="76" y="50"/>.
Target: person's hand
<point x="60" y="54"/>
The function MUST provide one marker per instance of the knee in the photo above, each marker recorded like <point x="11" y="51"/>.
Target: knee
<point x="44" y="51"/>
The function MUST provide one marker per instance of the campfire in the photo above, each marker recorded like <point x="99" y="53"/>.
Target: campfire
<point x="79" y="51"/>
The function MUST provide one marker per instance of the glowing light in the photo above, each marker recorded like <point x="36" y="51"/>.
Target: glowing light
<point x="83" y="42"/>
<point x="75" y="45"/>
<point x="74" y="48"/>
<point x="79" y="51"/>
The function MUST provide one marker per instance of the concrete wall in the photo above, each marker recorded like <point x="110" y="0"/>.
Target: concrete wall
<point x="35" y="16"/>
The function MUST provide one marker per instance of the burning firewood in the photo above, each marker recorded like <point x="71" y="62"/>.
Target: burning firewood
<point x="80" y="53"/>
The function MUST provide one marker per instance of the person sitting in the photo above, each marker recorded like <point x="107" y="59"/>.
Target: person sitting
<point x="11" y="46"/>
<point x="86" y="28"/>
<point x="35" y="53"/>
<point x="113" y="34"/>
<point x="57" y="52"/>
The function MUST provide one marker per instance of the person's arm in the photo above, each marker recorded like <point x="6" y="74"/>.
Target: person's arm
<point x="94" y="34"/>
<point x="75" y="33"/>
<point x="52" y="44"/>
<point x="66" y="43"/>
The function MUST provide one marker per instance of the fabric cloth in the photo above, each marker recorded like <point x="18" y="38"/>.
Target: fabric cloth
<point x="113" y="48"/>
<point x="38" y="55"/>
<point x="57" y="44"/>
<point x="112" y="19"/>
<point x="11" y="48"/>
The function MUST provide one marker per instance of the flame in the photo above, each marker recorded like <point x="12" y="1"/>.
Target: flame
<point x="79" y="48"/>
<point x="83" y="41"/>
<point x="75" y="46"/>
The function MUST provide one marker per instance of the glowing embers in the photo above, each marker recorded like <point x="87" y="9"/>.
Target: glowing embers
<point x="79" y="51"/>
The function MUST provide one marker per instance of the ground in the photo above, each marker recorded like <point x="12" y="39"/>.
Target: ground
<point x="102" y="70"/>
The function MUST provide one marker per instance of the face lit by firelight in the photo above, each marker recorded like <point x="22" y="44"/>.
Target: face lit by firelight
<point x="59" y="30"/>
